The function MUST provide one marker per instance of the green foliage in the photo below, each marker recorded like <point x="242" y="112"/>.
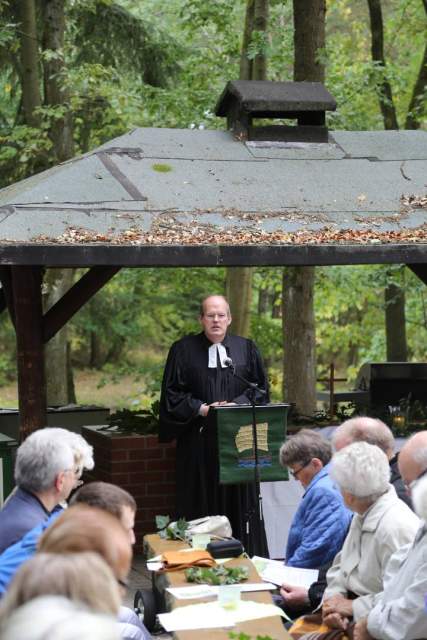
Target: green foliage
<point x="171" y="531"/>
<point x="143" y="422"/>
<point x="217" y="575"/>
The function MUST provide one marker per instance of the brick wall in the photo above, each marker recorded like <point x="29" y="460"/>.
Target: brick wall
<point x="142" y="466"/>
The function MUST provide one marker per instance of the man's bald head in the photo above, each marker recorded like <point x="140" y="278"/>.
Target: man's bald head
<point x="413" y="457"/>
<point x="364" y="429"/>
<point x="214" y="300"/>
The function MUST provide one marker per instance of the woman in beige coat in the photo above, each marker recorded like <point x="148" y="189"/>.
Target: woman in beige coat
<point x="382" y="524"/>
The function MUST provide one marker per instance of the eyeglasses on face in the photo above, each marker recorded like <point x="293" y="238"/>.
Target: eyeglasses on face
<point x="295" y="473"/>
<point x="212" y="316"/>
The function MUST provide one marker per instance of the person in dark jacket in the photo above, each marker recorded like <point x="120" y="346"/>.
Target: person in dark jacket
<point x="321" y="522"/>
<point x="48" y="467"/>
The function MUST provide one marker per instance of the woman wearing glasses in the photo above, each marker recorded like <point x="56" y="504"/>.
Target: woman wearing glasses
<point x="321" y="522"/>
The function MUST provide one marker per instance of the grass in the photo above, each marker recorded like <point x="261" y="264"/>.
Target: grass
<point x="126" y="392"/>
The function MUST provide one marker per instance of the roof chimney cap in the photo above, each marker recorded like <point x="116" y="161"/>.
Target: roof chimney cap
<point x="307" y="102"/>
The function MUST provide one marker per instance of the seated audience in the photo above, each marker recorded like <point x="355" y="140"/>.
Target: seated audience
<point x="82" y="577"/>
<point x="382" y="524"/>
<point x="299" y="600"/>
<point x="373" y="431"/>
<point x="48" y="467"/>
<point x="398" y="612"/>
<point x="56" y="618"/>
<point x="102" y="495"/>
<point x="84" y="528"/>
<point x="321" y="522"/>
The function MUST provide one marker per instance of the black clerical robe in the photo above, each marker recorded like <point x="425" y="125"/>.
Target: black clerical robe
<point x="188" y="383"/>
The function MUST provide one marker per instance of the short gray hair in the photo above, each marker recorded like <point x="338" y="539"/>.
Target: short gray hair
<point x="364" y="429"/>
<point x="57" y="618"/>
<point x="48" y="452"/>
<point x="303" y="447"/>
<point x="361" y="469"/>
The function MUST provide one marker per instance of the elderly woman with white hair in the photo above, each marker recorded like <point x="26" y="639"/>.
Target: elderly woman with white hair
<point x="381" y="524"/>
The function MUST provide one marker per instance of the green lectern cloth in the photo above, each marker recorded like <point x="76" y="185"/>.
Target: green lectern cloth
<point x="235" y="442"/>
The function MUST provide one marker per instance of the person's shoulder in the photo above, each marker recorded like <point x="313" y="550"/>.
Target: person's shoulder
<point x="240" y="340"/>
<point x="187" y="341"/>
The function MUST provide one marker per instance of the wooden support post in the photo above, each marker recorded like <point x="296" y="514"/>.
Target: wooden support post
<point x="26" y="283"/>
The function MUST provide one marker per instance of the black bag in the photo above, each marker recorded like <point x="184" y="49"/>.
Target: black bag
<point x="231" y="548"/>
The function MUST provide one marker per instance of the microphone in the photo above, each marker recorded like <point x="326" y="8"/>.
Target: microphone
<point x="229" y="363"/>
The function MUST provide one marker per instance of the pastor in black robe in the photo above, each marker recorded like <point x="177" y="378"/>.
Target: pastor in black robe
<point x="188" y="383"/>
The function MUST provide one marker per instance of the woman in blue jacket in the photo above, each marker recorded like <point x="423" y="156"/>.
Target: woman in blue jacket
<point x="321" y="522"/>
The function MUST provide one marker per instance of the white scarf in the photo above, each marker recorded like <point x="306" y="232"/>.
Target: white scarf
<point x="214" y="349"/>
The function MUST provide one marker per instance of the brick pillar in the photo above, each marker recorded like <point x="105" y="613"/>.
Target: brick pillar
<point x="142" y="466"/>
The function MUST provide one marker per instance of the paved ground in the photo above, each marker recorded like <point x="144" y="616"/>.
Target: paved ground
<point x="140" y="578"/>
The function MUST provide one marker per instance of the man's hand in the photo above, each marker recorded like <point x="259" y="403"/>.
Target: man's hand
<point x="203" y="411"/>
<point x="360" y="631"/>
<point x="297" y="596"/>
<point x="338" y="604"/>
<point x="335" y="621"/>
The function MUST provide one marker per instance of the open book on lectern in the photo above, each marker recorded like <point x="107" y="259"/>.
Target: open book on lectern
<point x="236" y="450"/>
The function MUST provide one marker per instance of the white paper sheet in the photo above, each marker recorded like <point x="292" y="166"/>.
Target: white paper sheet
<point x="276" y="572"/>
<point x="211" y="615"/>
<point x="208" y="590"/>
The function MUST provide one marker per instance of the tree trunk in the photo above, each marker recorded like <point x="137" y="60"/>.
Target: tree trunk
<point x="30" y="78"/>
<point x="58" y="361"/>
<point x="58" y="374"/>
<point x="245" y="63"/>
<point x="394" y="297"/>
<point x="309" y="39"/>
<point x="239" y="279"/>
<point x="56" y="93"/>
<point x="239" y="294"/>
<point x="259" y="69"/>
<point x="377" y="48"/>
<point x="417" y="105"/>
<point x="299" y="363"/>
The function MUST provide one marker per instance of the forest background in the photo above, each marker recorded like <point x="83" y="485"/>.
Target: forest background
<point x="148" y="63"/>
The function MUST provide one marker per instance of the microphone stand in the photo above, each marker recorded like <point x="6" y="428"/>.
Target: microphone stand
<point x="257" y="542"/>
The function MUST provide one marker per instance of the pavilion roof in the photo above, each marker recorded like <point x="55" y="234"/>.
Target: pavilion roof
<point x="201" y="197"/>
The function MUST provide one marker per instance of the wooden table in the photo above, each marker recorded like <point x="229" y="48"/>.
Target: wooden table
<point x="273" y="627"/>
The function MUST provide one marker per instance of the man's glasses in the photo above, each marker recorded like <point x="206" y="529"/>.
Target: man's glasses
<point x="212" y="316"/>
<point x="295" y="473"/>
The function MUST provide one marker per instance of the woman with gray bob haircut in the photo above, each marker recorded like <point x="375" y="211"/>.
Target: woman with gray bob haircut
<point x="382" y="523"/>
<point x="361" y="470"/>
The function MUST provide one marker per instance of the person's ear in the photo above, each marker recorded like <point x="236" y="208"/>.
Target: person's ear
<point x="317" y="463"/>
<point x="59" y="481"/>
<point x="230" y="319"/>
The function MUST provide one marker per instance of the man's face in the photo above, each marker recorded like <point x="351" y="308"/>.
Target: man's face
<point x="127" y="519"/>
<point x="68" y="481"/>
<point x="216" y="318"/>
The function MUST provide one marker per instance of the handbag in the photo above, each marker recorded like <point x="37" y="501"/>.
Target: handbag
<point x="225" y="548"/>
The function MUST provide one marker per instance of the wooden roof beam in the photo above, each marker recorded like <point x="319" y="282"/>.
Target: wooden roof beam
<point x="420" y="270"/>
<point x="61" y="312"/>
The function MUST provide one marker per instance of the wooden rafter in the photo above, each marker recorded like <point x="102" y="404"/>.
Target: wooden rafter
<point x="420" y="270"/>
<point x="61" y="312"/>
